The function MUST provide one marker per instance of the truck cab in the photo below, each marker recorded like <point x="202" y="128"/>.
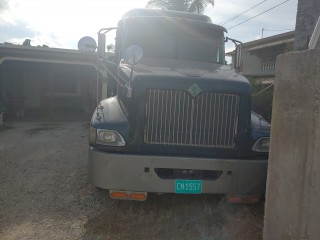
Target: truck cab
<point x="178" y="119"/>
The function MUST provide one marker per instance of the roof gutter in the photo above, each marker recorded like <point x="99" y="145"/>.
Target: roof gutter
<point x="269" y="45"/>
<point x="42" y="60"/>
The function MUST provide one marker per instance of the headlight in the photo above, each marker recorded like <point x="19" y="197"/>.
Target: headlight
<point x="109" y="137"/>
<point x="262" y="145"/>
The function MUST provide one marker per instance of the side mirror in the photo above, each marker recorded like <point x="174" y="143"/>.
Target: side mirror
<point x="101" y="45"/>
<point x="133" y="55"/>
<point x="102" y="40"/>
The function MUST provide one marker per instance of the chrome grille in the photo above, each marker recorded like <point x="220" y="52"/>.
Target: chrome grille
<point x="174" y="117"/>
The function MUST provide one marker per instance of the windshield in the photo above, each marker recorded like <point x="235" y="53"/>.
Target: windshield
<point x="175" y="39"/>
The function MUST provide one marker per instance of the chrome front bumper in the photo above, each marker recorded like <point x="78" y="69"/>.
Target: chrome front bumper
<point x="136" y="173"/>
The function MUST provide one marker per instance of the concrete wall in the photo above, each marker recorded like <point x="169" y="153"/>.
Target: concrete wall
<point x="292" y="208"/>
<point x="307" y="17"/>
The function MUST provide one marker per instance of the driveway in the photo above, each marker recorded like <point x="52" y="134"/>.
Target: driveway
<point x="44" y="194"/>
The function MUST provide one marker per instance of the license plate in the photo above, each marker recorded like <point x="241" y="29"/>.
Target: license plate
<point x="188" y="186"/>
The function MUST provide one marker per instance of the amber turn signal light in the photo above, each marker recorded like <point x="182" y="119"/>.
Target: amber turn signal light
<point x="118" y="194"/>
<point x="138" y="196"/>
<point x="127" y="195"/>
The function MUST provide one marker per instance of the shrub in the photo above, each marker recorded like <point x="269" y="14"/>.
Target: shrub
<point x="262" y="96"/>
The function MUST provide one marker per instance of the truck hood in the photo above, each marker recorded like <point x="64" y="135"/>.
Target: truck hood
<point x="182" y="68"/>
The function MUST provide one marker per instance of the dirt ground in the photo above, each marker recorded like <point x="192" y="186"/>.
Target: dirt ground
<point x="44" y="194"/>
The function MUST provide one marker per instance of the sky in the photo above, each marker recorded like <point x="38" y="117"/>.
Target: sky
<point x="61" y="23"/>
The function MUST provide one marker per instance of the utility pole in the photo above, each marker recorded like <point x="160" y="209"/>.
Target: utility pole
<point x="262" y="30"/>
<point x="307" y="16"/>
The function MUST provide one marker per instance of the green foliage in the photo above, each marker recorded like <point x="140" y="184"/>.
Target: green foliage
<point x="262" y="102"/>
<point x="193" y="6"/>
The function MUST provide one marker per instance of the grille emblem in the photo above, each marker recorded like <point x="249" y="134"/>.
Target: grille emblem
<point x="194" y="90"/>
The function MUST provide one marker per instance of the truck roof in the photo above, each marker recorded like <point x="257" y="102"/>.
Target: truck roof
<point x="141" y="12"/>
<point x="165" y="13"/>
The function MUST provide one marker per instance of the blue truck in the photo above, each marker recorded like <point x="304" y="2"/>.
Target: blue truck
<point x="177" y="119"/>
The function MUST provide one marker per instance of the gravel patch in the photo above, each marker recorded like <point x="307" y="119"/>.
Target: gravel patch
<point x="44" y="194"/>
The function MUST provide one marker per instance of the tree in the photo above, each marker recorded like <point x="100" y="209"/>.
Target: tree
<point x="193" y="6"/>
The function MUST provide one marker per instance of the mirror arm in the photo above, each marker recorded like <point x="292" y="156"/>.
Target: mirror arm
<point x="238" y="53"/>
<point x="236" y="42"/>
<point x="128" y="87"/>
<point x="104" y="31"/>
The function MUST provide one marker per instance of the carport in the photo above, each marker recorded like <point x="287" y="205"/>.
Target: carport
<point x="40" y="82"/>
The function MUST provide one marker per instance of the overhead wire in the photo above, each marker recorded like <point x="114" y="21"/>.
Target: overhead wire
<point x="240" y="14"/>
<point x="259" y="14"/>
<point x="277" y="30"/>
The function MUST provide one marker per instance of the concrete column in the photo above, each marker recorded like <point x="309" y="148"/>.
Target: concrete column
<point x="307" y="17"/>
<point x="292" y="209"/>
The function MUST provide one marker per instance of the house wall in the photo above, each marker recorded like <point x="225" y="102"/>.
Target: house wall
<point x="31" y="90"/>
<point x="44" y="88"/>
<point x="261" y="61"/>
<point x="251" y="64"/>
